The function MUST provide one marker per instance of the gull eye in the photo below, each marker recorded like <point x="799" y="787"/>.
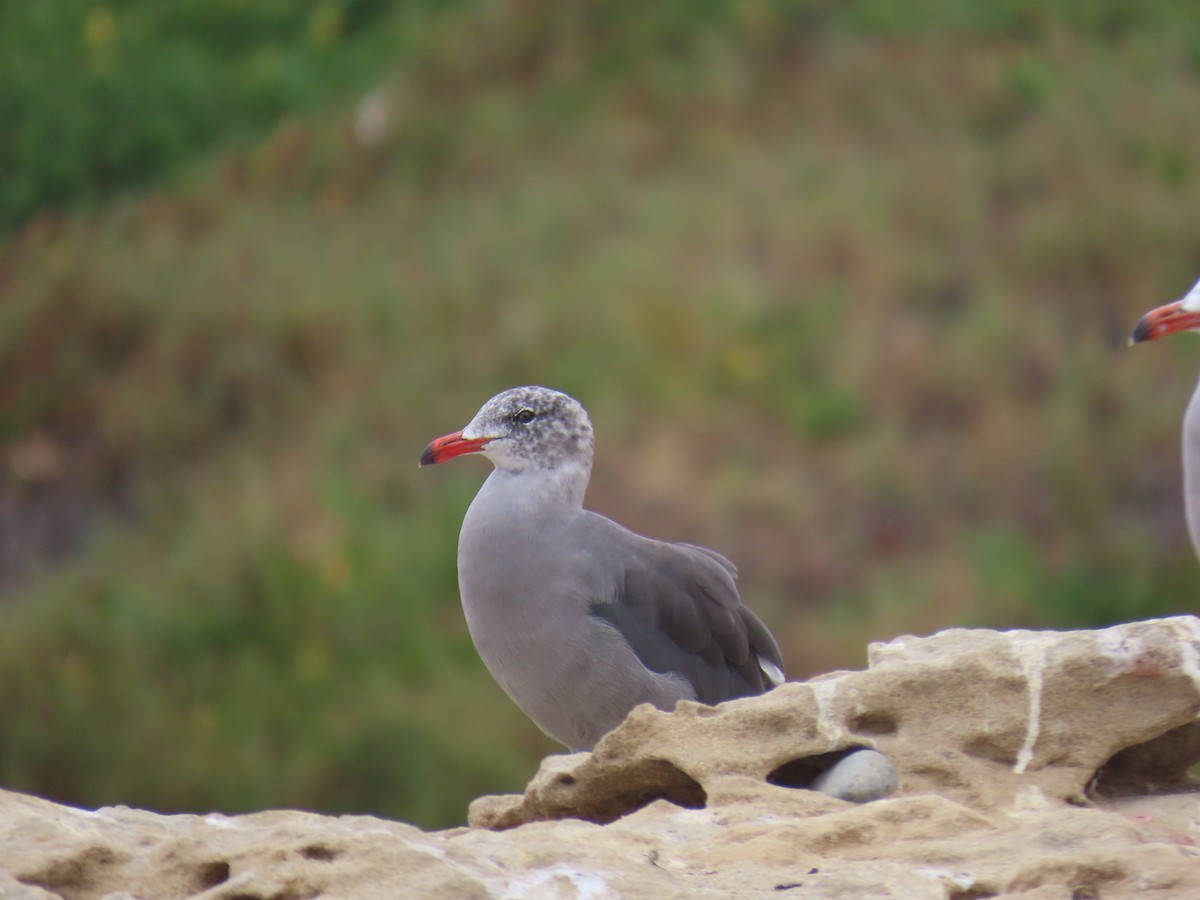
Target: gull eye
<point x="525" y="416"/>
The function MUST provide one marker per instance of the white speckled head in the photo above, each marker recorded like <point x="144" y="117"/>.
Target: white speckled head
<point x="523" y="429"/>
<point x="1191" y="300"/>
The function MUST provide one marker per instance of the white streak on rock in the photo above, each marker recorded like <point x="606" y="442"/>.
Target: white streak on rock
<point x="960" y="881"/>
<point x="1031" y="652"/>
<point x="587" y="885"/>
<point x="1188" y="629"/>
<point x="828" y="724"/>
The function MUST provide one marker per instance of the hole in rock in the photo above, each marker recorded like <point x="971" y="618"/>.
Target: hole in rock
<point x="1162" y="765"/>
<point x="998" y="746"/>
<point x="874" y="723"/>
<point x="802" y="772"/>
<point x="319" y="852"/>
<point x="1090" y="882"/>
<point x="291" y="892"/>
<point x="75" y="874"/>
<point x="640" y="785"/>
<point x="210" y="874"/>
<point x="971" y="894"/>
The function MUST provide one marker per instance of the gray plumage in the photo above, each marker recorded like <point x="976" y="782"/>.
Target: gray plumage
<point x="1191" y="468"/>
<point x="1171" y="318"/>
<point x="578" y="619"/>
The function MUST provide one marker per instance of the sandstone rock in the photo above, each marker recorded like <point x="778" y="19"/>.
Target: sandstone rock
<point x="1031" y="764"/>
<point x="981" y="717"/>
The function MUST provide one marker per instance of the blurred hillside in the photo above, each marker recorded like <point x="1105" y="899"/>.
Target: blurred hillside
<point x="845" y="287"/>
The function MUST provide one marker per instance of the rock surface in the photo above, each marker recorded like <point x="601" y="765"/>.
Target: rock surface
<point x="1031" y="765"/>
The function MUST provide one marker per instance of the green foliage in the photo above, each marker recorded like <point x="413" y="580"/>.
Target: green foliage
<point x="242" y="671"/>
<point x="97" y="97"/>
<point x="844" y="285"/>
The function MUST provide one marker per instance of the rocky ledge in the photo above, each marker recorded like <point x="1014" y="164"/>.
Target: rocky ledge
<point x="1031" y="765"/>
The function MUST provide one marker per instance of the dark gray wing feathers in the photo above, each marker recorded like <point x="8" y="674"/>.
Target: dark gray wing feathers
<point x="678" y="607"/>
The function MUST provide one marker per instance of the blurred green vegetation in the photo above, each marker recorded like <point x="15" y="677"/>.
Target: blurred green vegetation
<point x="845" y="287"/>
<point x="96" y="97"/>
